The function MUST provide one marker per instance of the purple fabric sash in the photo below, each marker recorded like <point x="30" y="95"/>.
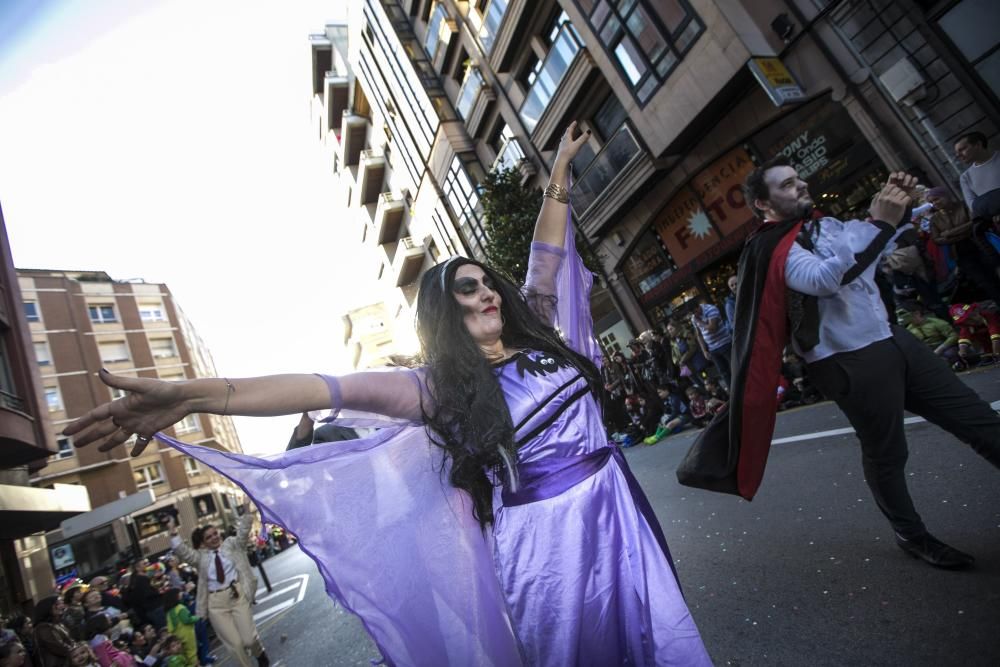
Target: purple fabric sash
<point x="551" y="476"/>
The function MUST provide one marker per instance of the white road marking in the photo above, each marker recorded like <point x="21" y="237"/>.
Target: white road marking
<point x="845" y="431"/>
<point x="302" y="582"/>
<point x="276" y="593"/>
<point x="268" y="613"/>
<point x="261" y="591"/>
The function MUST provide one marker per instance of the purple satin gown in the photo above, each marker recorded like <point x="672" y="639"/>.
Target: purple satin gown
<point x="575" y="570"/>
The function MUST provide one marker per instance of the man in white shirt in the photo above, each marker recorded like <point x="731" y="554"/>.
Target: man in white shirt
<point x="983" y="173"/>
<point x="226" y="585"/>
<point x="871" y="369"/>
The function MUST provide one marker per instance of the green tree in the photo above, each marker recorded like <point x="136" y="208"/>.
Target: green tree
<point x="509" y="213"/>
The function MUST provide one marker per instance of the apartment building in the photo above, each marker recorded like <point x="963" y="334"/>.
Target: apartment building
<point x="25" y="446"/>
<point x="682" y="98"/>
<point x="80" y="321"/>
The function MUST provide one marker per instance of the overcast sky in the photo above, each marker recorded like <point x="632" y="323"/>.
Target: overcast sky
<point x="169" y="140"/>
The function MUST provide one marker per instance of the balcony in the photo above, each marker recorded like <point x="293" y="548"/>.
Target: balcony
<point x="371" y="175"/>
<point x="615" y="174"/>
<point x="337" y="95"/>
<point x="474" y="99"/>
<point x="441" y="30"/>
<point x="388" y="217"/>
<point x="353" y="133"/>
<point x="566" y="69"/>
<point x="511" y="156"/>
<point x="491" y="22"/>
<point x="407" y="260"/>
<point x="502" y="37"/>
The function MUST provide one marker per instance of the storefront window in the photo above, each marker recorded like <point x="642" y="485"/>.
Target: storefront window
<point x="646" y="268"/>
<point x="826" y="148"/>
<point x="204" y="506"/>
<point x="704" y="224"/>
<point x="153" y="523"/>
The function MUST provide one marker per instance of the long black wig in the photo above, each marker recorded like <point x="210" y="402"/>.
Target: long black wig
<point x="468" y="416"/>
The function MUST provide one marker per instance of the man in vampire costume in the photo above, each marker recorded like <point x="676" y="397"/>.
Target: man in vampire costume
<point x="811" y="280"/>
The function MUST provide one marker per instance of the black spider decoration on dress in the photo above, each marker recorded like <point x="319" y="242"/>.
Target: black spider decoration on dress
<point x="540" y="365"/>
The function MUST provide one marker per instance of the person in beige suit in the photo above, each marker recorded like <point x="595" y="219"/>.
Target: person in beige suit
<point x="226" y="585"/>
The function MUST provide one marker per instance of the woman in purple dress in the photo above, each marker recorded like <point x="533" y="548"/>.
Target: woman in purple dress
<point x="542" y="550"/>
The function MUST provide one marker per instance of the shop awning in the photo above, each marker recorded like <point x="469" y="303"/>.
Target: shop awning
<point x="25" y="510"/>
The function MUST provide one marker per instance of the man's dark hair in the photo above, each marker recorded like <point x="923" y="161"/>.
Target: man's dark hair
<point x="973" y="138"/>
<point x="755" y="187"/>
<point x="198" y="536"/>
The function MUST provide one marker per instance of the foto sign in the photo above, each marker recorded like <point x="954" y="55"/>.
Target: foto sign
<point x="776" y="80"/>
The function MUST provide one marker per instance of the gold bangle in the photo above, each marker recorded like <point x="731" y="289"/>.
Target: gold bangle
<point x="557" y="192"/>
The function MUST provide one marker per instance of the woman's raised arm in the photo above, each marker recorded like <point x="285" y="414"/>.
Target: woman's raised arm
<point x="550" y="227"/>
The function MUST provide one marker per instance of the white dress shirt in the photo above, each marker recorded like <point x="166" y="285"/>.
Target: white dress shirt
<point x="228" y="567"/>
<point x="851" y="316"/>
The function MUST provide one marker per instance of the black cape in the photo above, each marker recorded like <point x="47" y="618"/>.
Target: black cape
<point x="730" y="454"/>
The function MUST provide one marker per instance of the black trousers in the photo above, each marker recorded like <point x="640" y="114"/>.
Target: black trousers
<point x="874" y="385"/>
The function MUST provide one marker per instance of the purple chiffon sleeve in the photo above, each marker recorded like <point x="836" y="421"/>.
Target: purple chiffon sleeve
<point x="558" y="289"/>
<point x="394" y="542"/>
<point x="397" y="393"/>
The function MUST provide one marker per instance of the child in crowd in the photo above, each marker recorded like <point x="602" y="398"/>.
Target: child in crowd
<point x="702" y="407"/>
<point x="676" y="415"/>
<point x="107" y="654"/>
<point x="174" y="653"/>
<point x="715" y="390"/>
<point x="81" y="656"/>
<point x="978" y="330"/>
<point x="181" y="622"/>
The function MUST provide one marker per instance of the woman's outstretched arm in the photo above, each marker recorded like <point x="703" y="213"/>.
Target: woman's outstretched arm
<point x="151" y="405"/>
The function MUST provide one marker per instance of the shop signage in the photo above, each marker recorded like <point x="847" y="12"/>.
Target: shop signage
<point x="667" y="288"/>
<point x="720" y="187"/>
<point x="62" y="557"/>
<point x="685" y="227"/>
<point x="776" y="80"/>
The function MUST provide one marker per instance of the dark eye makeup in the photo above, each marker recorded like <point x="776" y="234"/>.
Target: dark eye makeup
<point x="470" y="285"/>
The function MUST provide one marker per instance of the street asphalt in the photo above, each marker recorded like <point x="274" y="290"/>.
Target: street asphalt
<point x="806" y="574"/>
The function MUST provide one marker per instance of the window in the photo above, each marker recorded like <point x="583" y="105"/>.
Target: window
<point x="162" y="347"/>
<point x="463" y="198"/>
<point x="64" y="448"/>
<point x="152" y="313"/>
<point x="437" y="24"/>
<point x="470" y="91"/>
<point x="604" y="168"/>
<point x="147" y="476"/>
<point x="492" y="18"/>
<point x="42" y="354"/>
<point x="31" y="311"/>
<point x="968" y="23"/>
<point x="113" y="351"/>
<point x="191" y="466"/>
<point x="102" y="313"/>
<point x="53" y="399"/>
<point x="644" y="39"/>
<point x="190" y="424"/>
<point x="546" y="82"/>
<point x="116" y="393"/>
<point x="509" y="151"/>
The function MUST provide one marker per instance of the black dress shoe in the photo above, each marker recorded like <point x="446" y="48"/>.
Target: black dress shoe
<point x="262" y="660"/>
<point x="935" y="552"/>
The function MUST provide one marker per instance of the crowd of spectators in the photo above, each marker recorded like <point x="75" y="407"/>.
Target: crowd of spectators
<point x="144" y="616"/>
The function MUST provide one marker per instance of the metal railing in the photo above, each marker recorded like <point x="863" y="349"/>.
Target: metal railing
<point x="620" y="149"/>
